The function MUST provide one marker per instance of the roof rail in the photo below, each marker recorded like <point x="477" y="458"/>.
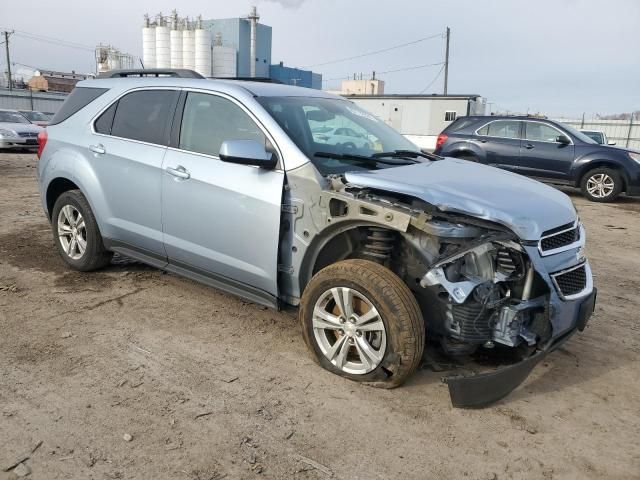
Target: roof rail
<point x="151" y="72"/>
<point x="249" y="79"/>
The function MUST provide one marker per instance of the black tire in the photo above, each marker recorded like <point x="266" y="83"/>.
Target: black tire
<point x="95" y="256"/>
<point x="609" y="173"/>
<point x="398" y="309"/>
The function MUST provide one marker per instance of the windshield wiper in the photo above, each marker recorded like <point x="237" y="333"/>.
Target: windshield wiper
<point x="409" y="154"/>
<point x="361" y="158"/>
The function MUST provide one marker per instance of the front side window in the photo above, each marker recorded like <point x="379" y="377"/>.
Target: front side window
<point x="501" y="129"/>
<point x="540" y="132"/>
<point x="209" y="120"/>
<point x="143" y="115"/>
<point x="325" y="129"/>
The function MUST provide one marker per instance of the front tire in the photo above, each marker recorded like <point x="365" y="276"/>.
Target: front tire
<point x="601" y="185"/>
<point x="76" y="233"/>
<point x="360" y="321"/>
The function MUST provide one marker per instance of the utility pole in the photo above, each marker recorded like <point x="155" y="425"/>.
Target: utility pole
<point x="446" y="62"/>
<point x="6" y="46"/>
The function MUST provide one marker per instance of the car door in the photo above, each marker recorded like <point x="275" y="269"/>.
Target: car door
<point x="541" y="155"/>
<point x="127" y="145"/>
<point x="500" y="141"/>
<point x="220" y="220"/>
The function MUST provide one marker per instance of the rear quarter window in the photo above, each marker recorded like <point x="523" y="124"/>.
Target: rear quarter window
<point x="460" y="124"/>
<point x="79" y="98"/>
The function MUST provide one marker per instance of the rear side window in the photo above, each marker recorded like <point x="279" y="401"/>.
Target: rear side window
<point x="460" y="123"/>
<point x="79" y="98"/>
<point x="502" y="129"/>
<point x="209" y="120"/>
<point x="143" y="115"/>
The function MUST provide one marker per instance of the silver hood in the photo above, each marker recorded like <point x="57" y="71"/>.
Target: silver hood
<point x="525" y="206"/>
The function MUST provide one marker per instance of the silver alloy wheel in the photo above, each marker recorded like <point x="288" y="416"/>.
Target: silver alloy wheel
<point x="600" y="185"/>
<point x="72" y="232"/>
<point x="349" y="330"/>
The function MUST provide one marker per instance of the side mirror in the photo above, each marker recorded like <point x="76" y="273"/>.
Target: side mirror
<point x="563" y="139"/>
<point x="247" y="152"/>
<point x="611" y="143"/>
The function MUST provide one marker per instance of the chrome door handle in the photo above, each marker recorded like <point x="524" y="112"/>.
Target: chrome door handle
<point x="99" y="149"/>
<point x="528" y="146"/>
<point x="179" y="172"/>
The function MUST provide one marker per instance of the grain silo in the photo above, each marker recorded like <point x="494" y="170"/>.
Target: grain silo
<point x="148" y="43"/>
<point x="188" y="46"/>
<point x="163" y="48"/>
<point x="202" y="49"/>
<point x="175" y="41"/>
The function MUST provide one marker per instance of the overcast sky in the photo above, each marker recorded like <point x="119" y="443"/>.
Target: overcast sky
<point x="552" y="56"/>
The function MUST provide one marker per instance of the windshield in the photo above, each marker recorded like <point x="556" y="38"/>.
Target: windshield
<point x="335" y="134"/>
<point x="36" y="116"/>
<point x="577" y="133"/>
<point x="12" y="117"/>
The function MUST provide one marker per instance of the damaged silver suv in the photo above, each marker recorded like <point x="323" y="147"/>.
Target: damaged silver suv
<point x="258" y="189"/>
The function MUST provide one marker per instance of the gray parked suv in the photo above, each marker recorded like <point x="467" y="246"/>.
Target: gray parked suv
<point x="224" y="182"/>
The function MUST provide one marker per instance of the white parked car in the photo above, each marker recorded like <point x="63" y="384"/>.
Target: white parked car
<point x="16" y="131"/>
<point x="343" y="136"/>
<point x="598" y="136"/>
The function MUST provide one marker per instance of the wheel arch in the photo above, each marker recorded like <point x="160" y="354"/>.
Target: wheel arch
<point x="57" y="187"/>
<point x="601" y="163"/>
<point x="319" y="253"/>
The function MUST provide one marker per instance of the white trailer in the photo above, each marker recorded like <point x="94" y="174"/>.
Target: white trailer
<point x="420" y="118"/>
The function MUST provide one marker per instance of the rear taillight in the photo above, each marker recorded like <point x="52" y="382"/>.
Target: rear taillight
<point x="443" y="137"/>
<point x="42" y="141"/>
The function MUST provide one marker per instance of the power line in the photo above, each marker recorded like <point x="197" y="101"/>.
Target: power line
<point x="57" y="41"/>
<point x="434" y="79"/>
<point x="376" y="52"/>
<point x="404" y="69"/>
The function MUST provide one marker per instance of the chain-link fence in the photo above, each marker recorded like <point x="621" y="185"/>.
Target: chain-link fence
<point x="625" y="132"/>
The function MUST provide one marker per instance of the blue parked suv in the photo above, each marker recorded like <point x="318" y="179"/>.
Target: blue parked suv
<point x="546" y="150"/>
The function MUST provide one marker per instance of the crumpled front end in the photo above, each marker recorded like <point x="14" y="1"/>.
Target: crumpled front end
<point x="528" y="297"/>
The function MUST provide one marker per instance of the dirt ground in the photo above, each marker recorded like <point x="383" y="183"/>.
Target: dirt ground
<point x="211" y="387"/>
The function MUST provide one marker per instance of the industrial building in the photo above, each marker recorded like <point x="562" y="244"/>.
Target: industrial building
<point x="295" y="76"/>
<point x="229" y="47"/>
<point x="420" y="118"/>
<point x="50" y="81"/>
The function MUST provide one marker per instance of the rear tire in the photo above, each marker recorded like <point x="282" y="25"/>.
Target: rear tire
<point x="601" y="185"/>
<point x="76" y="233"/>
<point x="379" y="340"/>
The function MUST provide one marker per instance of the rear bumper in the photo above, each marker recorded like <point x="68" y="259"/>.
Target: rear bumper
<point x="479" y="390"/>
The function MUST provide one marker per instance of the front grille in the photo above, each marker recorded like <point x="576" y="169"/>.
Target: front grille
<point x="571" y="282"/>
<point x="551" y="241"/>
<point x="28" y="134"/>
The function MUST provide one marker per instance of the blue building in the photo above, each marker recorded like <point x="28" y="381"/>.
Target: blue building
<point x="295" y="76"/>
<point x="236" y="33"/>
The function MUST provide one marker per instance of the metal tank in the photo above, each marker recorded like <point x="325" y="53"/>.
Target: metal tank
<point x="188" y="47"/>
<point x="175" y="41"/>
<point x="148" y="43"/>
<point x="224" y="59"/>
<point x="163" y="48"/>
<point x="202" y="49"/>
